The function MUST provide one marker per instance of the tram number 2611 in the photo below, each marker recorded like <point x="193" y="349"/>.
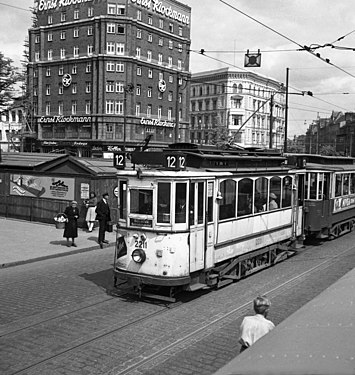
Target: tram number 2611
<point x="176" y="161"/>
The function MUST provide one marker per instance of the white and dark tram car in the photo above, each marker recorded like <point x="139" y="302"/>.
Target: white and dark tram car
<point x="192" y="218"/>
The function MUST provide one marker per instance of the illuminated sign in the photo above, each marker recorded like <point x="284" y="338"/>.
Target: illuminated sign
<point x="167" y="11"/>
<point x="60" y="119"/>
<point x="42" y="5"/>
<point x="157" y="122"/>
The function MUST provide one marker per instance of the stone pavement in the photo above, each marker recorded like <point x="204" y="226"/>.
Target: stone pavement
<point x="25" y="242"/>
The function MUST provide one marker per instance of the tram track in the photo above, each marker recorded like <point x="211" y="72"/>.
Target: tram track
<point x="173" y="346"/>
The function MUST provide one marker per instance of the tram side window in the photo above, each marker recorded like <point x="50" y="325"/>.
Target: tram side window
<point x="245" y="197"/>
<point x="210" y="202"/>
<point x="352" y="183"/>
<point x="313" y="186"/>
<point x="180" y="203"/>
<point x="163" y="211"/>
<point x="275" y="193"/>
<point x="227" y="203"/>
<point x="200" y="206"/>
<point x="338" y="185"/>
<point x="141" y="201"/>
<point x="123" y="200"/>
<point x="286" y="191"/>
<point x="261" y="189"/>
<point x="346" y="183"/>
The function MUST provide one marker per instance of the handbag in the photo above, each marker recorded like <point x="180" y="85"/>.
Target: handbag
<point x="109" y="227"/>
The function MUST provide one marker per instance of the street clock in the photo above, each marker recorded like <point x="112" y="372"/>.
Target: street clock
<point x="66" y="80"/>
<point x="162" y="85"/>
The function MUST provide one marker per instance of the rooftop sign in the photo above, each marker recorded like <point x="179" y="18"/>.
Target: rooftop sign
<point x="165" y="10"/>
<point x="42" y="5"/>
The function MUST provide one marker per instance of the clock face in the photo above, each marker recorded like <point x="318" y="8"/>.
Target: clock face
<point x="162" y="85"/>
<point x="66" y="80"/>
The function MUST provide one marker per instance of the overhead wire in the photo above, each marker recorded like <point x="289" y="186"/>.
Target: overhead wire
<point x="13" y="6"/>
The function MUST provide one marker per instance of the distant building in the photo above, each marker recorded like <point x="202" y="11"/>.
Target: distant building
<point x="107" y="74"/>
<point x="11" y="124"/>
<point x="238" y="102"/>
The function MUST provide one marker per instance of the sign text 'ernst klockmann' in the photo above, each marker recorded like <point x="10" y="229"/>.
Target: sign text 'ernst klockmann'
<point x="42" y="5"/>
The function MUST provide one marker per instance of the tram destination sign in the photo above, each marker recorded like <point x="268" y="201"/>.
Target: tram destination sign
<point x="119" y="160"/>
<point x="175" y="161"/>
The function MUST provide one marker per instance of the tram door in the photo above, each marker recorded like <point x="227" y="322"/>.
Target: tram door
<point x="197" y="224"/>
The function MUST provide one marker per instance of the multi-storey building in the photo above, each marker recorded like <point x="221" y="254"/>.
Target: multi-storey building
<point x="240" y="103"/>
<point x="105" y="74"/>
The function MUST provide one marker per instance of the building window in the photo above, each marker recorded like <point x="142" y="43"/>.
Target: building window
<point x="171" y="27"/>
<point x="50" y="55"/>
<point x="160" y="58"/>
<point x="74" y="105"/>
<point x="160" y="109"/>
<point x="76" y="14"/>
<point x="139" y="34"/>
<point x="111" y="28"/>
<point x="139" y="70"/>
<point x="90" y="12"/>
<point x="120" y="29"/>
<point x="87" y="107"/>
<point x="171" y="44"/>
<point x="119" y="87"/>
<point x="119" y="107"/>
<point x="110" y="66"/>
<point x="180" y="31"/>
<point x="139" y="15"/>
<point x="138" y="90"/>
<point x="110" y="86"/>
<point x="90" y="30"/>
<point x="170" y="113"/>
<point x="138" y="52"/>
<point x="150" y="20"/>
<point x="76" y="32"/>
<point x="48" y="108"/>
<point x="74" y="69"/>
<point x="111" y="9"/>
<point x="121" y="10"/>
<point x="170" y="96"/>
<point x="62" y="35"/>
<point x="88" y="67"/>
<point x="61" y="70"/>
<point x="76" y="52"/>
<point x="110" y="48"/>
<point x="180" y="47"/>
<point x="150" y="38"/>
<point x="63" y="17"/>
<point x="48" y="89"/>
<point x="170" y="61"/>
<point x="161" y="24"/>
<point x="179" y="64"/>
<point x="138" y="109"/>
<point x="120" y="48"/>
<point x="149" y="91"/>
<point x="50" y="19"/>
<point x="60" y="89"/>
<point x="36" y="56"/>
<point x="120" y="67"/>
<point x="88" y="87"/>
<point x="109" y="107"/>
<point x="149" y="110"/>
<point x="90" y="49"/>
<point x="60" y="108"/>
<point x="161" y="75"/>
<point x="149" y="56"/>
<point x="150" y="73"/>
<point x="48" y="71"/>
<point x="161" y="42"/>
<point x="50" y="36"/>
<point x="171" y="78"/>
<point x="62" y="53"/>
<point x="37" y="39"/>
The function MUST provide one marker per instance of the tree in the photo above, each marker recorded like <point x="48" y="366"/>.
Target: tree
<point x="9" y="77"/>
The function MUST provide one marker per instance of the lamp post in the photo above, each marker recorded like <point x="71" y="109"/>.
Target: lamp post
<point x="128" y="89"/>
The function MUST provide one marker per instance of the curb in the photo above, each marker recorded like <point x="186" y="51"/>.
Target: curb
<point x="57" y="255"/>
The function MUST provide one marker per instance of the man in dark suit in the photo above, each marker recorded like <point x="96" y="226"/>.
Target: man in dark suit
<point x="103" y="216"/>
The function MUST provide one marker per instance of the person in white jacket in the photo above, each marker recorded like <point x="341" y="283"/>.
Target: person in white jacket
<point x="256" y="326"/>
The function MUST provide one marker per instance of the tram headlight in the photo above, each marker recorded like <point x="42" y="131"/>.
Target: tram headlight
<point x="138" y="256"/>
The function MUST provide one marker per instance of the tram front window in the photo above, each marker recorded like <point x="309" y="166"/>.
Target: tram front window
<point x="141" y="201"/>
<point x="180" y="203"/>
<point x="163" y="213"/>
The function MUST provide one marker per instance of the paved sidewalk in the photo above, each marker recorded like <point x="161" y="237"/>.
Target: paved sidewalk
<point x="25" y="241"/>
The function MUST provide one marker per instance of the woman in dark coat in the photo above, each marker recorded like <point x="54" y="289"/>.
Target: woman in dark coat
<point x="71" y="226"/>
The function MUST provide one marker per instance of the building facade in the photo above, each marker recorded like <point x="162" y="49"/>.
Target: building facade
<point x="240" y="104"/>
<point x="106" y="74"/>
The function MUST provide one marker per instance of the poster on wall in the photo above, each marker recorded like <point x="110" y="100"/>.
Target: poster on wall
<point x="42" y="186"/>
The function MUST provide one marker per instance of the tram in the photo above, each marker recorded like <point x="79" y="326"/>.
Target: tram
<point x="194" y="217"/>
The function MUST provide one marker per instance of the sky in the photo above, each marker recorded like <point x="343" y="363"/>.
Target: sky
<point x="280" y="29"/>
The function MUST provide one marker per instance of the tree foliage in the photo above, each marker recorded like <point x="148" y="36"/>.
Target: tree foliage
<point x="9" y="77"/>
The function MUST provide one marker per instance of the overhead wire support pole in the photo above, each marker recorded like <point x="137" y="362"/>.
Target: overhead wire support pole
<point x="177" y="108"/>
<point x="271" y="120"/>
<point x="286" y="111"/>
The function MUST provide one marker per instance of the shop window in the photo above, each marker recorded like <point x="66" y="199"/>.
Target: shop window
<point x="245" y="197"/>
<point x="227" y="189"/>
<point x="163" y="211"/>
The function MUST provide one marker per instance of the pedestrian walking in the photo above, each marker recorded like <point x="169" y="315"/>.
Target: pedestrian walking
<point x="103" y="216"/>
<point x="71" y="226"/>
<point x="256" y="326"/>
<point x="91" y="214"/>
